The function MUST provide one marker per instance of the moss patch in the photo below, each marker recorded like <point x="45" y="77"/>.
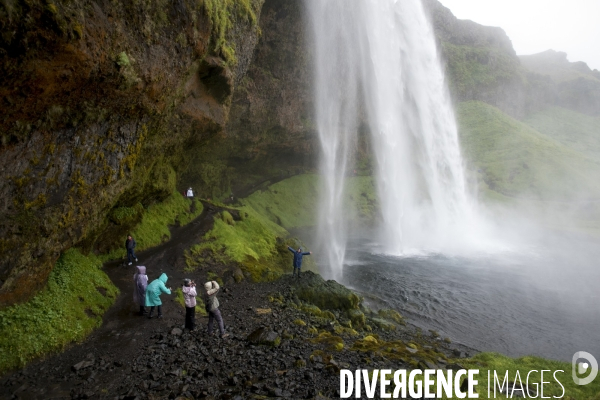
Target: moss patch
<point x="68" y="309"/>
<point x="155" y="221"/>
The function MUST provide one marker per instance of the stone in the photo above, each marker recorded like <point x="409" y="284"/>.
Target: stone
<point x="264" y="336"/>
<point x="81" y="365"/>
<point x="176" y="332"/>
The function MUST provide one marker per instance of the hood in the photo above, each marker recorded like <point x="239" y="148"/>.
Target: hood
<point x="163" y="277"/>
<point x="141" y="270"/>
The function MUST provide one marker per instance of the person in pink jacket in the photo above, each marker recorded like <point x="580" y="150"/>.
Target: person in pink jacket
<point x="189" y="295"/>
<point x="140" y="283"/>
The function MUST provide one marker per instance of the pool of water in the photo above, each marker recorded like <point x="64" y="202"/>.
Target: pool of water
<point x="542" y="300"/>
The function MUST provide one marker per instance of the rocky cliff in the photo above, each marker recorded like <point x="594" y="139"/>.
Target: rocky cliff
<point x="103" y="103"/>
<point x="114" y="105"/>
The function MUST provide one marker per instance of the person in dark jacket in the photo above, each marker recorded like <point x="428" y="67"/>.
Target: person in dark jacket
<point x="140" y="282"/>
<point x="130" y="246"/>
<point x="298" y="254"/>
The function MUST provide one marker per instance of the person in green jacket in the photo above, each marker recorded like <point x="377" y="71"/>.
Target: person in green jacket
<point x="153" y="292"/>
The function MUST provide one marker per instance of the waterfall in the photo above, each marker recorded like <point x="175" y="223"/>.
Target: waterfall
<point x="376" y="61"/>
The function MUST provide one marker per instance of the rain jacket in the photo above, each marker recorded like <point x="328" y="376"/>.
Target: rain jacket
<point x="130" y="244"/>
<point x="298" y="257"/>
<point x="211" y="303"/>
<point x="140" y="282"/>
<point x="189" y="295"/>
<point x="155" y="289"/>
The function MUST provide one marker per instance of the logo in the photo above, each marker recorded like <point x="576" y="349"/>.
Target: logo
<point x="581" y="368"/>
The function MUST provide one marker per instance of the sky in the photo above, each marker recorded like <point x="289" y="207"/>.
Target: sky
<point x="534" y="26"/>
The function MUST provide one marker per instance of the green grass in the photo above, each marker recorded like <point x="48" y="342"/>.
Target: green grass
<point x="577" y="131"/>
<point x="496" y="362"/>
<point x="473" y="68"/>
<point x="154" y="226"/>
<point x="66" y="310"/>
<point x="515" y="160"/>
<point x="293" y="202"/>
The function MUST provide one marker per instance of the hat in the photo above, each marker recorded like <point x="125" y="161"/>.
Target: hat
<point x="208" y="285"/>
<point x="186" y="282"/>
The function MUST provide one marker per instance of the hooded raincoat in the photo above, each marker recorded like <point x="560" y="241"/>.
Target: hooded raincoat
<point x="140" y="283"/>
<point x="155" y="289"/>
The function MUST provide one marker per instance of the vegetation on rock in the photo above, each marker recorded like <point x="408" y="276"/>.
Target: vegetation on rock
<point x="67" y="310"/>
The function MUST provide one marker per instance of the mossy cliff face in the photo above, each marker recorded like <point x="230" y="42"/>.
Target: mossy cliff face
<point x="102" y="104"/>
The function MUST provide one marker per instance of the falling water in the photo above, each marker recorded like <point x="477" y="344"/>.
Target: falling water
<point x="376" y="61"/>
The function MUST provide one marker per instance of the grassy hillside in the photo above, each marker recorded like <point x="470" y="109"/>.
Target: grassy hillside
<point x="513" y="159"/>
<point x="577" y="131"/>
<point x="293" y="202"/>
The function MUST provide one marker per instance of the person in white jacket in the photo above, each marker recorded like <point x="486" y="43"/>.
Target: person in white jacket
<point x="189" y="296"/>
<point x="212" y="307"/>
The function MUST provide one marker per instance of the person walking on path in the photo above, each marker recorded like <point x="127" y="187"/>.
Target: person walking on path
<point x="140" y="283"/>
<point x="190" y="193"/>
<point x="130" y="246"/>
<point x="298" y="254"/>
<point x="212" y="307"/>
<point x="153" y="292"/>
<point x="189" y="295"/>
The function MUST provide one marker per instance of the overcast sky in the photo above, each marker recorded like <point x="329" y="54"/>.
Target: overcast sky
<point x="534" y="26"/>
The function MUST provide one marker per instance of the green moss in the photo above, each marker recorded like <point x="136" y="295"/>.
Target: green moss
<point x="67" y="310"/>
<point x="224" y="14"/>
<point x="227" y="218"/>
<point x="122" y="59"/>
<point x="391" y="315"/>
<point x="199" y="302"/>
<point x="299" y="322"/>
<point x="254" y="243"/>
<point x="154" y="226"/>
<point x="331" y="342"/>
<point x="317" y="312"/>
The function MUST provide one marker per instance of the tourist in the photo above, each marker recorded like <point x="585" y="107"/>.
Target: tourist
<point x="298" y="254"/>
<point x="153" y="292"/>
<point x="140" y="283"/>
<point x="130" y="247"/>
<point x="190" y="193"/>
<point x="212" y="307"/>
<point x="189" y="296"/>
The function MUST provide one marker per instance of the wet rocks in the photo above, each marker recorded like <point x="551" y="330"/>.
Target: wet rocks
<point x="264" y="336"/>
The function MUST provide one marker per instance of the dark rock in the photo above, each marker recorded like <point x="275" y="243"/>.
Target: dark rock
<point x="264" y="336"/>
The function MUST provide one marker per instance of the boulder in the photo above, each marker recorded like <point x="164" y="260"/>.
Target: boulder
<point x="264" y="336"/>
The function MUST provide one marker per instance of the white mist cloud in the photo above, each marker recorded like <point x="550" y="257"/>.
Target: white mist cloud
<point x="538" y="25"/>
